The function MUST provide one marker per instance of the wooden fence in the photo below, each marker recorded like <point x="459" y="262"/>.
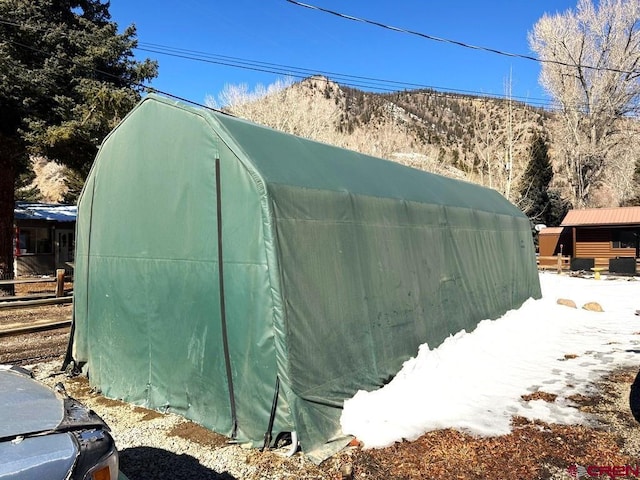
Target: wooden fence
<point x="555" y="262"/>
<point x="57" y="297"/>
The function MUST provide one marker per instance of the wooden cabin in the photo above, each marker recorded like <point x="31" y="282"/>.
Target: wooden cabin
<point x="44" y="238"/>
<point x="596" y="237"/>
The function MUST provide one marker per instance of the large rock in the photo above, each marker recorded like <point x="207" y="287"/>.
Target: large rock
<point x="566" y="302"/>
<point x="592" y="307"/>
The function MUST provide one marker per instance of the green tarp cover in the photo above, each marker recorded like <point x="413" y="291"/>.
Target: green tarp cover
<point x="335" y="267"/>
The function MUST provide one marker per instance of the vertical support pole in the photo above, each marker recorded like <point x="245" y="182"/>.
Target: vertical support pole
<point x="16" y="241"/>
<point x="55" y="246"/>
<point x="223" y="315"/>
<point x="60" y="282"/>
<point x="559" y="263"/>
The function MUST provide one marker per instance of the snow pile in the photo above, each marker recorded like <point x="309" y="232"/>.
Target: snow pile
<point x="474" y="381"/>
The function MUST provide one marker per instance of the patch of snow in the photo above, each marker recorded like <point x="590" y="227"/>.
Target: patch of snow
<point x="474" y="381"/>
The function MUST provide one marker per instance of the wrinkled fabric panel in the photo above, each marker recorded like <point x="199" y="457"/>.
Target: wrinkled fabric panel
<point x="152" y="322"/>
<point x="369" y="279"/>
<point x="153" y="350"/>
<point x="284" y="159"/>
<point x="249" y="294"/>
<point x="150" y="326"/>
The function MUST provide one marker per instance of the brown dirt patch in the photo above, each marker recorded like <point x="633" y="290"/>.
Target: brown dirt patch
<point x="198" y="434"/>
<point x="584" y="403"/>
<point x="147" y="414"/>
<point x="78" y="386"/>
<point x="547" y="397"/>
<point x="109" y="402"/>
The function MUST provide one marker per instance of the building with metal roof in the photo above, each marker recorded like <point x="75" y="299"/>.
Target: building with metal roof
<point x="596" y="237"/>
<point x="602" y="217"/>
<point x="44" y="238"/>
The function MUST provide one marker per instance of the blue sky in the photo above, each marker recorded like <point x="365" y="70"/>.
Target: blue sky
<point x="278" y="32"/>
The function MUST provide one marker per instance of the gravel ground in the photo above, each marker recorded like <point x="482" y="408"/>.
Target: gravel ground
<point x="43" y="346"/>
<point x="165" y="446"/>
<point x="160" y="446"/>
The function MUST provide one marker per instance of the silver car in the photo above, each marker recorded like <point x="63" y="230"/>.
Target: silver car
<point x="45" y="434"/>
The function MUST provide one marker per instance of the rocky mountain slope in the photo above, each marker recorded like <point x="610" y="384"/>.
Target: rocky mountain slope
<point x="482" y="140"/>
<point x="489" y="141"/>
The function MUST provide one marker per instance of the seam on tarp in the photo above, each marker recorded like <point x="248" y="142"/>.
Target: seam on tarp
<point x="472" y="209"/>
<point x="218" y="127"/>
<point x="438" y="226"/>
<point x="178" y="260"/>
<point x="223" y="314"/>
<point x="269" y="237"/>
<point x="164" y="259"/>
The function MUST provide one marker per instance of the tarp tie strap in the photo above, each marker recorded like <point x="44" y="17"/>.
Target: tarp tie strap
<point x="269" y="433"/>
<point x="223" y="317"/>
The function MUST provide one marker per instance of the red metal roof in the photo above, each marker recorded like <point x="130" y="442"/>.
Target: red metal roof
<point x="551" y="231"/>
<point x="602" y="216"/>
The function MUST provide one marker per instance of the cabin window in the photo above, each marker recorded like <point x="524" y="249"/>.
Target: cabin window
<point x="35" y="240"/>
<point x="624" y="239"/>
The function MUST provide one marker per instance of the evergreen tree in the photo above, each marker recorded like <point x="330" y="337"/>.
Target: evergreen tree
<point x="558" y="208"/>
<point x="534" y="186"/>
<point x="67" y="77"/>
<point x="23" y="189"/>
<point x="74" y="182"/>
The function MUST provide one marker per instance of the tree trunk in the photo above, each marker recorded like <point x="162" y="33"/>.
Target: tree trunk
<point x="7" y="205"/>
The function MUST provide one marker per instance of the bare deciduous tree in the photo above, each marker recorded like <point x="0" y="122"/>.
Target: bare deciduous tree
<point x="312" y="109"/>
<point x="283" y="105"/>
<point x="316" y="108"/>
<point x="591" y="67"/>
<point x="500" y="146"/>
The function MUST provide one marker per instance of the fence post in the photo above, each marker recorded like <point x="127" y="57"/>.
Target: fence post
<point x="559" y="263"/>
<point x="60" y="282"/>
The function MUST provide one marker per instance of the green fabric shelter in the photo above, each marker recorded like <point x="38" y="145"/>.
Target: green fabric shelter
<point x="215" y="256"/>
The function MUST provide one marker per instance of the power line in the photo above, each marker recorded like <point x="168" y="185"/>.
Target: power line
<point x="150" y="89"/>
<point x="144" y="87"/>
<point x="377" y="84"/>
<point x="457" y="42"/>
<point x="140" y="85"/>
<point x="287" y="70"/>
<point x="355" y="81"/>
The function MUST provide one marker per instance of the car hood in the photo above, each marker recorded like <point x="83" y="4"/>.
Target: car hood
<point x="48" y="456"/>
<point x="26" y="406"/>
<point x="43" y="431"/>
